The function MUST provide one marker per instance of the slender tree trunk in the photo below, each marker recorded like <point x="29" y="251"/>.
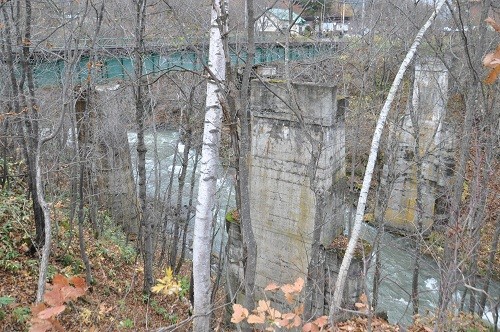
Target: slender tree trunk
<point x="339" y="286"/>
<point x="418" y="219"/>
<point x="81" y="218"/>
<point x="140" y="107"/>
<point x="418" y="159"/>
<point x="208" y="177"/>
<point x="188" y="215"/>
<point x="180" y="193"/>
<point x="243" y="165"/>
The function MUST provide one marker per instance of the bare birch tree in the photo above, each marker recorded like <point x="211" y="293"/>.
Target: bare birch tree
<point x="202" y="241"/>
<point x="339" y="286"/>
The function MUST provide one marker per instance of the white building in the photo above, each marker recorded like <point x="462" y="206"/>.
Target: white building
<point x="277" y="20"/>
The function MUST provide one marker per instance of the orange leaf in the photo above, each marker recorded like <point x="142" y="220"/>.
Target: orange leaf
<point x="254" y="319"/>
<point x="321" y="321"/>
<point x="493" y="24"/>
<point x="274" y="313"/>
<point x="295" y="288"/>
<point x="310" y="327"/>
<point x="263" y="306"/>
<point x="283" y="322"/>
<point x="40" y="325"/>
<point x="35" y="309"/>
<point x="289" y="297"/>
<point x="493" y="75"/>
<point x="54" y="297"/>
<point x="491" y="59"/>
<point x="299" y="310"/>
<point x="272" y="287"/>
<point x="363" y="298"/>
<point x="287" y="288"/>
<point x="299" y="284"/>
<point x="360" y="305"/>
<point x="51" y="312"/>
<point x="297" y="321"/>
<point x="59" y="279"/>
<point x="239" y="313"/>
<point x="71" y="293"/>
<point x="78" y="282"/>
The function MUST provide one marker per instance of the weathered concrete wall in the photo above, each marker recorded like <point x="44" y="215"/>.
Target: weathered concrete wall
<point x="282" y="202"/>
<point x="430" y="96"/>
<point x="354" y="282"/>
<point x="108" y="154"/>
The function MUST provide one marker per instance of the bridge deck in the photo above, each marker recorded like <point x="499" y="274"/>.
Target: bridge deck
<point x="113" y="59"/>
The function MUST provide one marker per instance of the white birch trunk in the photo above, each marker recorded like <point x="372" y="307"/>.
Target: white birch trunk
<point x="339" y="285"/>
<point x="208" y="179"/>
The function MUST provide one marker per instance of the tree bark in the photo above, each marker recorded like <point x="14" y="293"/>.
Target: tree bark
<point x="243" y="160"/>
<point x="208" y="177"/>
<point x="140" y="105"/>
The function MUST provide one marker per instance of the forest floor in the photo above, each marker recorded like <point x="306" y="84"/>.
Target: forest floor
<point x="113" y="302"/>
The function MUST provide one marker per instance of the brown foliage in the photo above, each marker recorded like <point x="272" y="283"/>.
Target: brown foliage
<point x="62" y="290"/>
<point x="492" y="60"/>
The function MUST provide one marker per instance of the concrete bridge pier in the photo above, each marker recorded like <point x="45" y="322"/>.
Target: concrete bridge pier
<point x="436" y="152"/>
<point x="283" y="197"/>
<point x="103" y="141"/>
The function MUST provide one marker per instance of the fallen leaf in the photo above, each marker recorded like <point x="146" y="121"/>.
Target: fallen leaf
<point x="310" y="327"/>
<point x="71" y="293"/>
<point x="289" y="297"/>
<point x="283" y="322"/>
<point x="53" y="297"/>
<point x="299" y="310"/>
<point x="35" y="309"/>
<point x="490" y="60"/>
<point x="40" y="325"/>
<point x="59" y="279"/>
<point x="78" y="282"/>
<point x="263" y="306"/>
<point x="493" y="24"/>
<point x="493" y="75"/>
<point x="321" y="321"/>
<point x="296" y="287"/>
<point x="239" y="313"/>
<point x="254" y="319"/>
<point x="272" y="287"/>
<point x="51" y="312"/>
<point x="360" y="305"/>
<point x="296" y="321"/>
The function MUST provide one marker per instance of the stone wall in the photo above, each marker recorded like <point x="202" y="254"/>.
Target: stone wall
<point x="430" y="96"/>
<point x="103" y="135"/>
<point x="282" y="202"/>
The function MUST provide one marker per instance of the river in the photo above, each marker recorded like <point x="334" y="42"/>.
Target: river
<point x="396" y="279"/>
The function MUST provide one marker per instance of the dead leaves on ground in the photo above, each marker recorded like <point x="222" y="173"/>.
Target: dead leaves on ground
<point x="360" y="324"/>
<point x="267" y="318"/>
<point x="63" y="290"/>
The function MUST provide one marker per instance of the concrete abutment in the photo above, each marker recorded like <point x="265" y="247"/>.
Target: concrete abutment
<point x="285" y="182"/>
